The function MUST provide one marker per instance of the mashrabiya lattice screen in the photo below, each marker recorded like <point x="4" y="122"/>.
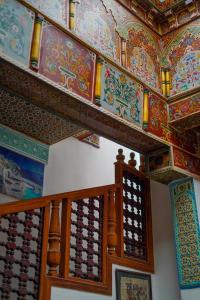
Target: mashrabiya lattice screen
<point x="134" y="220"/>
<point x="20" y="254"/>
<point x="87" y="238"/>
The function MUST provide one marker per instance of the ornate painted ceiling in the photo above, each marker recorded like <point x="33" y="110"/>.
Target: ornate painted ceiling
<point x="164" y="15"/>
<point x="163" y="5"/>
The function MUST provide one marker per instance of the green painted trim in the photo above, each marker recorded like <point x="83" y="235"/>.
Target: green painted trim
<point x="23" y="144"/>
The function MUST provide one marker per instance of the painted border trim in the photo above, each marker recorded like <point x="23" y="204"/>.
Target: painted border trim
<point x="23" y="144"/>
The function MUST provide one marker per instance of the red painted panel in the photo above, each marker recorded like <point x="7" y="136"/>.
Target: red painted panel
<point x="67" y="62"/>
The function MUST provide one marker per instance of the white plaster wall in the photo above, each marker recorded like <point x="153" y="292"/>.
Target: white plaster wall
<point x="165" y="281"/>
<point x="74" y="165"/>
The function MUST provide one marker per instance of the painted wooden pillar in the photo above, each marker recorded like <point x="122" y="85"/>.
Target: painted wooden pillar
<point x="35" y="49"/>
<point x="123" y="52"/>
<point x="98" y="82"/>
<point x="145" y="109"/>
<point x="71" y="15"/>
<point x="167" y="82"/>
<point x="163" y="74"/>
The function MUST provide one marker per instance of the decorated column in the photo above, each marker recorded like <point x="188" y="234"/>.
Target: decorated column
<point x="167" y="82"/>
<point x="35" y="50"/>
<point x="185" y="201"/>
<point x="163" y="74"/>
<point x="98" y="83"/>
<point x="145" y="109"/>
<point x="71" y="15"/>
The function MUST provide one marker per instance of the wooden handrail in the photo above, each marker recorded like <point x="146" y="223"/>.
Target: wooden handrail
<point x="22" y="205"/>
<point x="57" y="233"/>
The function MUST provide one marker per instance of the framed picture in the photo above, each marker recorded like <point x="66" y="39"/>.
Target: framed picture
<point x="133" y="286"/>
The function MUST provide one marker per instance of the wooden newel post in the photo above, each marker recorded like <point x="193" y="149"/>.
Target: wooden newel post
<point x="53" y="255"/>
<point x="112" y="224"/>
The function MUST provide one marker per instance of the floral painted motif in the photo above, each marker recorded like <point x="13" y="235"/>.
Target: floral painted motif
<point x="88" y="137"/>
<point x="158" y="125"/>
<point x="121" y="95"/>
<point x="186" y="161"/>
<point x="186" y="232"/>
<point x="183" y="56"/>
<point x="55" y="9"/>
<point x="96" y="25"/>
<point x="158" y="115"/>
<point x="67" y="62"/>
<point x="16" y="26"/>
<point x="184" y="108"/>
<point x="142" y="56"/>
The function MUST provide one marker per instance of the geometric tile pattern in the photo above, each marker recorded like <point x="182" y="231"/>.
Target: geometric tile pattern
<point x="23" y="116"/>
<point x="187" y="235"/>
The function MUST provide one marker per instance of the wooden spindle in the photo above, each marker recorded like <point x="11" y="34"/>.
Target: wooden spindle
<point x="53" y="256"/>
<point x="112" y="224"/>
<point x="132" y="162"/>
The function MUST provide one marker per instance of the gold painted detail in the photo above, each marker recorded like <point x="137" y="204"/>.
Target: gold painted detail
<point x="166" y="82"/>
<point x="145" y="109"/>
<point x="35" y="50"/>
<point x="98" y="82"/>
<point x="72" y="15"/>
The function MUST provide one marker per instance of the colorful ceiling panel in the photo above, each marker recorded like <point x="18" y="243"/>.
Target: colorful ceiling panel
<point x="163" y="5"/>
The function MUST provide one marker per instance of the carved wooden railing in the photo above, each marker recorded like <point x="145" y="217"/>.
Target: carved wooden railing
<point x="133" y="206"/>
<point x="72" y="239"/>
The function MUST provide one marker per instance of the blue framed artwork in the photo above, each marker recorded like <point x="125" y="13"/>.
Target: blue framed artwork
<point x="20" y="176"/>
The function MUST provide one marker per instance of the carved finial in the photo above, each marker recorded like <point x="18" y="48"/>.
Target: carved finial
<point x="142" y="163"/>
<point x="120" y="157"/>
<point x="132" y="162"/>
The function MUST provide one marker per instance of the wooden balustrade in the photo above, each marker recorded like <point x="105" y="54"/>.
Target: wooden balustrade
<point x="133" y="213"/>
<point x="84" y="232"/>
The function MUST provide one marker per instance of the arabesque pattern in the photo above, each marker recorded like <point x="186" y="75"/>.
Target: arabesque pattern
<point x="67" y="62"/>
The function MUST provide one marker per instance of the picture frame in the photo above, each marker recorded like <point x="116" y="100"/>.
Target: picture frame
<point x="133" y="286"/>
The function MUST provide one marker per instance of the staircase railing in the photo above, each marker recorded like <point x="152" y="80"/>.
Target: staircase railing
<point x="72" y="239"/>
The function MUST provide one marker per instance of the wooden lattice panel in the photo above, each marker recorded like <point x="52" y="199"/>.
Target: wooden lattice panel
<point x="87" y="238"/>
<point x="20" y="254"/>
<point x="134" y="219"/>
